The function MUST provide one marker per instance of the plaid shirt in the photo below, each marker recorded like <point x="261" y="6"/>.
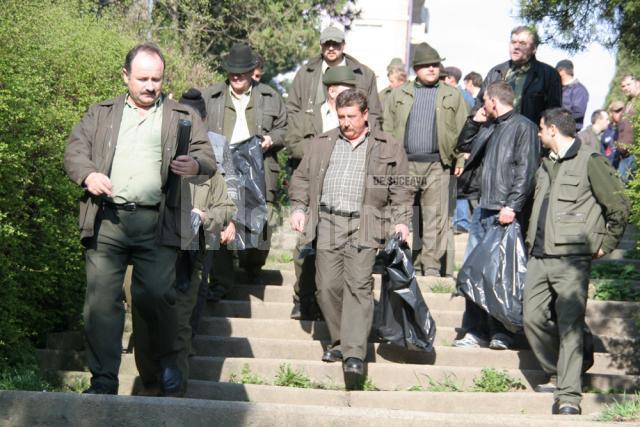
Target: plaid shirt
<point x="343" y="186"/>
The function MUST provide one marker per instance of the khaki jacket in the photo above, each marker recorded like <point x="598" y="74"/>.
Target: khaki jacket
<point x="92" y="146"/>
<point x="302" y="103"/>
<point x="386" y="160"/>
<point x="266" y="115"/>
<point x="451" y="114"/>
<point x="211" y="197"/>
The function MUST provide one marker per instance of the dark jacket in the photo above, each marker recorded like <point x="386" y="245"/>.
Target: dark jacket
<point x="511" y="150"/>
<point x="542" y="88"/>
<point x="575" y="98"/>
<point x="386" y="159"/>
<point x="92" y="146"/>
<point x="302" y="103"/>
<point x="266" y="115"/>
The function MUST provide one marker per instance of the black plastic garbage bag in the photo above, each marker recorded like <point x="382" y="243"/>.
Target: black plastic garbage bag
<point x="402" y="316"/>
<point x="493" y="275"/>
<point x="252" y="206"/>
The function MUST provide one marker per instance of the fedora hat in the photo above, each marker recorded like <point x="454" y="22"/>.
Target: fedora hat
<point x="425" y="54"/>
<point x="240" y="59"/>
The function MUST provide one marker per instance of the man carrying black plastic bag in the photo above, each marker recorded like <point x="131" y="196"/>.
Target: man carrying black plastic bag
<point x="402" y="316"/>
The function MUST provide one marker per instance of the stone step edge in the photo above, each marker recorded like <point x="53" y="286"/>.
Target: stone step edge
<point x="36" y="408"/>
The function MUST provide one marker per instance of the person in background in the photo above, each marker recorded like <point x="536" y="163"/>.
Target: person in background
<point x="590" y="136"/>
<point x="397" y="75"/>
<point x="575" y="96"/>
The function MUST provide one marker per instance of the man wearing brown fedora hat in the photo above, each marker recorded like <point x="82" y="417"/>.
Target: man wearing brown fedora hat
<point x="324" y="118"/>
<point x="240" y="108"/>
<point x="427" y="116"/>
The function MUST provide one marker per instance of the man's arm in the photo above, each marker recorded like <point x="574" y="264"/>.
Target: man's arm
<point x="299" y="193"/>
<point x="554" y="89"/>
<point x="279" y="128"/>
<point x="609" y="192"/>
<point x="462" y="110"/>
<point x="400" y="195"/>
<point x="78" y="161"/>
<point x="526" y="155"/>
<point x="579" y="102"/>
<point x="200" y="148"/>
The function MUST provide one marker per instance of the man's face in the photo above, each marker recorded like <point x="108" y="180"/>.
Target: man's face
<point x="334" y="90"/>
<point x="490" y="106"/>
<point x="428" y="74"/>
<point x="450" y="81"/>
<point x="394" y="81"/>
<point x="240" y="82"/>
<point x="257" y="74"/>
<point x="546" y="135"/>
<point x="602" y="122"/>
<point x="145" y="79"/>
<point x="521" y="48"/>
<point x="615" y="116"/>
<point x="353" y="122"/>
<point x="630" y="87"/>
<point x="468" y="86"/>
<point x="332" y="51"/>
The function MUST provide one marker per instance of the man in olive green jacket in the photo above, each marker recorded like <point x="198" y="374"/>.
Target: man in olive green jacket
<point x="428" y="117"/>
<point x="579" y="213"/>
<point x="263" y="113"/>
<point x="121" y="154"/>
<point x="308" y="93"/>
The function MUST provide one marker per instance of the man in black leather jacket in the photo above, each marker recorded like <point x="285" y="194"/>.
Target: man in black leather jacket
<point x="536" y="85"/>
<point x="505" y="145"/>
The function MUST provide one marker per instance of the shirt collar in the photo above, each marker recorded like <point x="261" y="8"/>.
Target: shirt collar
<point x="362" y="139"/>
<point x="563" y="147"/>
<point x="418" y="83"/>
<point x="341" y="64"/>
<point x="155" y="106"/>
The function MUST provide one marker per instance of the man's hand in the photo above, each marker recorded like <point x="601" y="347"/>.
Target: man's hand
<point x="403" y="230"/>
<point x="266" y="143"/>
<point x="200" y="213"/>
<point x="228" y="234"/>
<point x="599" y="254"/>
<point x="506" y="216"/>
<point x="296" y="221"/>
<point x="457" y="172"/>
<point x="480" y="116"/>
<point x="98" y="184"/>
<point x="185" y="166"/>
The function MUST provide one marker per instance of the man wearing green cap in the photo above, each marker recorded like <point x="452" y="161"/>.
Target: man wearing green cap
<point x="336" y="80"/>
<point x="308" y="91"/>
<point x="240" y="108"/>
<point x="428" y="116"/>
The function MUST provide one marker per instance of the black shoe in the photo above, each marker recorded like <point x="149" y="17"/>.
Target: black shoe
<point x="171" y="382"/>
<point x="296" y="311"/>
<point x="101" y="389"/>
<point x="566" y="408"/>
<point x="354" y="366"/>
<point x="332" y="356"/>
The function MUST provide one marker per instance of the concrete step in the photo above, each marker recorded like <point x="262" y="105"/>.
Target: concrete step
<point x="257" y="309"/>
<point x="385" y="376"/>
<point x="296" y="408"/>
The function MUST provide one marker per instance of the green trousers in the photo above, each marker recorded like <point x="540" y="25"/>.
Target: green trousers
<point x="345" y="284"/>
<point x="120" y="237"/>
<point x="555" y="300"/>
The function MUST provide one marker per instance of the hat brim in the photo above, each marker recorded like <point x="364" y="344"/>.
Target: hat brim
<point x="430" y="61"/>
<point x="332" y="39"/>
<point x="345" y="83"/>
<point x="238" y="69"/>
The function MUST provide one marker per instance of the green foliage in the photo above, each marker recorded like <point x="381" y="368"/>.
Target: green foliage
<point x="289" y="377"/>
<point x="633" y="187"/>
<point x="619" y="271"/>
<point x="441" y="288"/>
<point x="246" y="376"/>
<point x="494" y="381"/>
<point x="448" y="384"/>
<point x="54" y="62"/>
<point x="28" y="379"/>
<point x="615" y="290"/>
<point x="626" y="410"/>
<point x="280" y="257"/>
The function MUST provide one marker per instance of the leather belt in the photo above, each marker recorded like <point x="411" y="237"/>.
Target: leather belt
<point x="332" y="211"/>
<point x="129" y="206"/>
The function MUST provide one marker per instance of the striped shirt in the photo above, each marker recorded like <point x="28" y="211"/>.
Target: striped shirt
<point x="343" y="186"/>
<point x="421" y="136"/>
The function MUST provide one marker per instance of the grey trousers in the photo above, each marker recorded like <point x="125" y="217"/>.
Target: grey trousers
<point x="345" y="284"/>
<point x="555" y="300"/>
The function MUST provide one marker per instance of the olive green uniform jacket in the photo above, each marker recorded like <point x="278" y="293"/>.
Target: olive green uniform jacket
<point x="385" y="159"/>
<point x="92" y="146"/>
<point x="265" y="114"/>
<point x="451" y="114"/>
<point x="211" y="197"/>
<point x="302" y="104"/>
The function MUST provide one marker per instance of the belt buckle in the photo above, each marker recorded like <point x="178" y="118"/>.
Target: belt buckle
<point x="129" y="207"/>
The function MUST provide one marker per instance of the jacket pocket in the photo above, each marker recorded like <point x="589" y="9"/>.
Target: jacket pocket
<point x="568" y="188"/>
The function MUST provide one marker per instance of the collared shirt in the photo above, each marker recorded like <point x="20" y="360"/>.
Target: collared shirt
<point x="516" y="76"/>
<point x="329" y="117"/>
<point x="563" y="147"/>
<point x="241" y="128"/>
<point x="343" y="186"/>
<point x="135" y="172"/>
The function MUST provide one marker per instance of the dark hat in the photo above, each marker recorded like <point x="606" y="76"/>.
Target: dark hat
<point x="454" y="72"/>
<point x="565" y="64"/>
<point x="395" y="64"/>
<point x="332" y="34"/>
<point x="425" y="54"/>
<point x="193" y="98"/>
<point x="616" y="106"/>
<point x="240" y="59"/>
<point x="341" y="75"/>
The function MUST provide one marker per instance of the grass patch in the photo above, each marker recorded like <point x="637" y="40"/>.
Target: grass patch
<point x="27" y="378"/>
<point x="448" y="384"/>
<point x="246" y="376"/>
<point x="441" y="288"/>
<point x="494" y="381"/>
<point x="627" y="410"/>
<point x="280" y="258"/>
<point x="289" y="377"/>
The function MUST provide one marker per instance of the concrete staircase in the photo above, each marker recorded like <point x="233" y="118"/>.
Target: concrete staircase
<point x="251" y="330"/>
